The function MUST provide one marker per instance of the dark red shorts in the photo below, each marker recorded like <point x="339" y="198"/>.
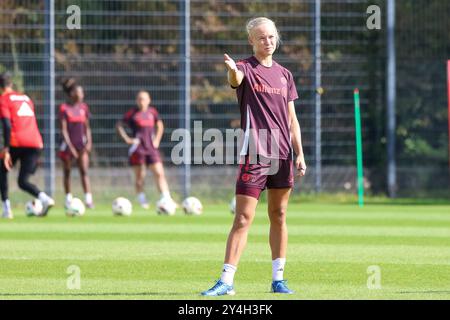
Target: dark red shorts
<point x="64" y="152"/>
<point x="253" y="178"/>
<point x="137" y="159"/>
<point x="65" y="155"/>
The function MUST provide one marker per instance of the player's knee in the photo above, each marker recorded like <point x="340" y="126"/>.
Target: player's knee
<point x="140" y="177"/>
<point x="139" y="182"/>
<point x="83" y="172"/>
<point x="159" y="173"/>
<point x="242" y="221"/>
<point x="278" y="216"/>
<point x="23" y="183"/>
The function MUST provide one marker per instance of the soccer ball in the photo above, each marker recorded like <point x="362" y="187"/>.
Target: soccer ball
<point x="166" y="206"/>
<point x="233" y="205"/>
<point x="122" y="207"/>
<point x="75" y="208"/>
<point x="34" y="208"/>
<point x="192" y="205"/>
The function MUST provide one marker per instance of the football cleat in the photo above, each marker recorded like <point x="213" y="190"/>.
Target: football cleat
<point x="219" y="289"/>
<point x="47" y="206"/>
<point x="90" y="205"/>
<point x="281" y="287"/>
<point x="8" y="214"/>
<point x="145" y="205"/>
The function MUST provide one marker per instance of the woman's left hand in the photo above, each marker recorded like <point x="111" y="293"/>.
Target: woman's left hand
<point x="7" y="161"/>
<point x="300" y="165"/>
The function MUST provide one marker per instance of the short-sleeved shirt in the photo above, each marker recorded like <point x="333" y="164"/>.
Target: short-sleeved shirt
<point x="76" y="116"/>
<point x="19" y="109"/>
<point x="263" y="98"/>
<point x="142" y="125"/>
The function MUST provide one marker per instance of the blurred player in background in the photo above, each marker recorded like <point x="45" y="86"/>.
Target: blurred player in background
<point x="76" y="138"/>
<point x="147" y="130"/>
<point x="266" y="92"/>
<point x="22" y="142"/>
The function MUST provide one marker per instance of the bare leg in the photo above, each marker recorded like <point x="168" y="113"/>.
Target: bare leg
<point x="139" y="173"/>
<point x="237" y="239"/>
<point x="83" y="165"/>
<point x="277" y="207"/>
<point x="67" y="164"/>
<point x="158" y="172"/>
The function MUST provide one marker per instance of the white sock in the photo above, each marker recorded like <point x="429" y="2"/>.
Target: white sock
<point x="278" y="269"/>
<point x="69" y="197"/>
<point x="6" y="205"/>
<point x="165" y="194"/>
<point x="43" y="197"/>
<point x="88" y="197"/>
<point x="142" y="198"/>
<point x="228" y="272"/>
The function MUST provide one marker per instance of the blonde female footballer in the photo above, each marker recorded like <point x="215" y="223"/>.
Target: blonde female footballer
<point x="266" y="92"/>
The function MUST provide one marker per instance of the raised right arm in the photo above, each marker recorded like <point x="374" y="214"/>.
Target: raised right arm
<point x="235" y="76"/>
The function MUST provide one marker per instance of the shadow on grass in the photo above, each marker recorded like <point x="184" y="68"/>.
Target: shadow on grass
<point x="432" y="198"/>
<point x="426" y="292"/>
<point x="393" y="202"/>
<point x="62" y="294"/>
<point x="410" y="202"/>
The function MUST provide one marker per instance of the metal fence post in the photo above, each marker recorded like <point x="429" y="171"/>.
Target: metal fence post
<point x="49" y="100"/>
<point x="317" y="97"/>
<point x="391" y="100"/>
<point x="185" y="94"/>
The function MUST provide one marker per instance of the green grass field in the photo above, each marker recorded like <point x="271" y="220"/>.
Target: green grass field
<point x="146" y="256"/>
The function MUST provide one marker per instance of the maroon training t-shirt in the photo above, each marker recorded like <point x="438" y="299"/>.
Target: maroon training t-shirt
<point x="76" y="117"/>
<point x="263" y="98"/>
<point x="142" y="125"/>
